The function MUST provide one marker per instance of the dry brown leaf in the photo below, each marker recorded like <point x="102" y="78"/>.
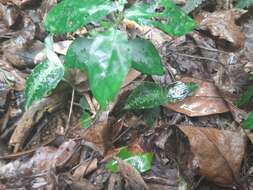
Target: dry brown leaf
<point x="43" y="159"/>
<point x="132" y="177"/>
<point x="98" y="135"/>
<point x="131" y="76"/>
<point x="31" y="117"/>
<point x="85" y="168"/>
<point x="218" y="153"/>
<point x="206" y="101"/>
<point x="221" y="24"/>
<point x="14" y="76"/>
<point x="61" y="47"/>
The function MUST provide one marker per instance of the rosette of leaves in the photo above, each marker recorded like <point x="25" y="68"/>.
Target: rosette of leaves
<point x="107" y="57"/>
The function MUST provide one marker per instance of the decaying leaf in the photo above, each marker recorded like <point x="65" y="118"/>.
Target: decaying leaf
<point x="132" y="177"/>
<point x="206" y="101"/>
<point x="98" y="135"/>
<point x="31" y="117"/>
<point x="85" y="168"/>
<point x="11" y="77"/>
<point x="44" y="160"/>
<point x="218" y="153"/>
<point x="9" y="14"/>
<point x="221" y="24"/>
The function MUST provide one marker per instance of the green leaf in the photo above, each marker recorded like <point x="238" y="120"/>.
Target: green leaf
<point x="191" y="5"/>
<point x="170" y="19"/>
<point x="69" y="15"/>
<point x="145" y="57"/>
<point x="85" y="120"/>
<point x="146" y="95"/>
<point x="248" y="123"/>
<point x="49" y="42"/>
<point x="140" y="161"/>
<point x="180" y="90"/>
<point x="78" y="54"/>
<point x="244" y="4"/>
<point x="149" y="95"/>
<point x="43" y="79"/>
<point x="251" y="76"/>
<point x="108" y="65"/>
<point x="106" y="60"/>
<point x="245" y="97"/>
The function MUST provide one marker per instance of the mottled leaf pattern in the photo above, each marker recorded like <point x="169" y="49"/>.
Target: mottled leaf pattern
<point x="69" y="15"/>
<point x="43" y="78"/>
<point x="140" y="161"/>
<point x="244" y="3"/>
<point x="149" y="95"/>
<point x="170" y="19"/>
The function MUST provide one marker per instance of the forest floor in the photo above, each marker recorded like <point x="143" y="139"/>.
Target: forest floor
<point x="198" y="143"/>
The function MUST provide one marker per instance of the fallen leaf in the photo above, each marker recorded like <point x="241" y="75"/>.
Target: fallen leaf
<point x="98" y="136"/>
<point x="45" y="160"/>
<point x="9" y="14"/>
<point x="61" y="47"/>
<point x="85" y="168"/>
<point x="218" y="153"/>
<point x="31" y="117"/>
<point x="221" y="24"/>
<point x="206" y="101"/>
<point x="132" y="177"/>
<point x="131" y="76"/>
<point x="12" y="76"/>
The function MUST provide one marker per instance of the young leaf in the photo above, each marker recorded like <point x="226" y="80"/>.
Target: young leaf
<point x="78" y="54"/>
<point x="106" y="60"/>
<point x="145" y="57"/>
<point x="248" y="123"/>
<point x="149" y="95"/>
<point x="246" y="96"/>
<point x="43" y="78"/>
<point x="140" y="161"/>
<point x="146" y="95"/>
<point x="170" y="18"/>
<point x="180" y="91"/>
<point x="244" y="4"/>
<point x="69" y="15"/>
<point x="108" y="65"/>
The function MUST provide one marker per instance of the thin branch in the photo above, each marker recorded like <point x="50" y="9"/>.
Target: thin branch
<point x="70" y="110"/>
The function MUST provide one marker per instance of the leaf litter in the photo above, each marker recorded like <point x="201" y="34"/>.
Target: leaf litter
<point x="197" y="143"/>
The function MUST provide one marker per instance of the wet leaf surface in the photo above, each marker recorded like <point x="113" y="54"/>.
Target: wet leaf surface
<point x="205" y="101"/>
<point x="221" y="24"/>
<point x="178" y="24"/>
<point x="217" y="153"/>
<point x="150" y="95"/>
<point x="140" y="161"/>
<point x="43" y="79"/>
<point x="146" y="58"/>
<point x="202" y="142"/>
<point x="61" y="19"/>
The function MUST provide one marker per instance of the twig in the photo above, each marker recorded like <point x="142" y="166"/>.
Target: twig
<point x="197" y="57"/>
<point x="70" y="110"/>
